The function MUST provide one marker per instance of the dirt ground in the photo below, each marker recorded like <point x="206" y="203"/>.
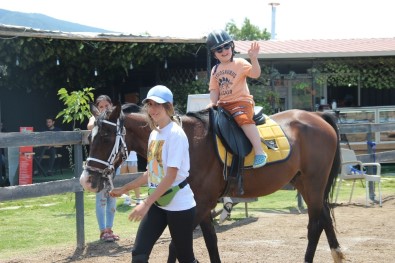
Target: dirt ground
<point x="365" y="235"/>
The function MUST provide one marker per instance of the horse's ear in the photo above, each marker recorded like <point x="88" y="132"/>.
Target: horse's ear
<point x="116" y="112"/>
<point x="94" y="110"/>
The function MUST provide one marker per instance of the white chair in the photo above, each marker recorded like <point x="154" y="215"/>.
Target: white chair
<point x="349" y="160"/>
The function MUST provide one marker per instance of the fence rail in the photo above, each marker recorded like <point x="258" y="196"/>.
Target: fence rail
<point x="79" y="138"/>
<point x="370" y="129"/>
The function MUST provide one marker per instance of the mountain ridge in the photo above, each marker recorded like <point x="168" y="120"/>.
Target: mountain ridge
<point x="44" y="22"/>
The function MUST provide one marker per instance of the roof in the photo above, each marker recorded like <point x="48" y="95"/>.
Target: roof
<point x="18" y="31"/>
<point x="320" y="48"/>
<point x="270" y="49"/>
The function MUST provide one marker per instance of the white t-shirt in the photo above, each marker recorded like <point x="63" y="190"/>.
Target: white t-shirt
<point x="169" y="147"/>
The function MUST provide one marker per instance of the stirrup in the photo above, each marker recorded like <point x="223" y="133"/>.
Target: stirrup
<point x="225" y="215"/>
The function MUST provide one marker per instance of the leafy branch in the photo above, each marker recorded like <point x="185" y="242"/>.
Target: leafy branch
<point x="77" y="105"/>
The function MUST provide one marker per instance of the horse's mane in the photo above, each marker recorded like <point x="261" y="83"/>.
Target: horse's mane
<point x="200" y="115"/>
<point x="126" y="109"/>
<point x="130" y="108"/>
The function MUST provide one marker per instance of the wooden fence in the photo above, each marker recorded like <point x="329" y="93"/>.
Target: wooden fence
<point x="78" y="138"/>
<point x="370" y="129"/>
<point x="75" y="138"/>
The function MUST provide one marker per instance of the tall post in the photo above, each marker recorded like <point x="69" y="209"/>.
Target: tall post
<point x="273" y="30"/>
<point x="79" y="197"/>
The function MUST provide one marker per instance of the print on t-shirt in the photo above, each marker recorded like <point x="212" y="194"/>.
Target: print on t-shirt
<point x="224" y="81"/>
<point x="155" y="162"/>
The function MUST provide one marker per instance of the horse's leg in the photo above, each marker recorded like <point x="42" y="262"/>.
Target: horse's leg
<point x="210" y="238"/>
<point x="334" y="245"/>
<point x="319" y="219"/>
<point x="314" y="230"/>
<point x="315" y="212"/>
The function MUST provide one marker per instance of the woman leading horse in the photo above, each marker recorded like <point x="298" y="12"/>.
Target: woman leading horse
<point x="312" y="167"/>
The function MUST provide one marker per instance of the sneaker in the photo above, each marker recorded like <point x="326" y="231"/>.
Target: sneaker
<point x="259" y="160"/>
<point x="127" y="201"/>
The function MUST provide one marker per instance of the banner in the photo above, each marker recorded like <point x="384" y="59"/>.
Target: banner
<point x="26" y="161"/>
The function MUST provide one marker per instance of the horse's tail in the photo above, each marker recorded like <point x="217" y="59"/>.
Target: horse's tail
<point x="336" y="165"/>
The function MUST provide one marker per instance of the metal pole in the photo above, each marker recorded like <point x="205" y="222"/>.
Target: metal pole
<point x="79" y="197"/>
<point x="273" y="33"/>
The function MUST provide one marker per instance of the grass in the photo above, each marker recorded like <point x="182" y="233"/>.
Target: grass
<point x="30" y="225"/>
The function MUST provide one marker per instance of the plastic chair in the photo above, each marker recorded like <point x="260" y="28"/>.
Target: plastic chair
<point x="349" y="172"/>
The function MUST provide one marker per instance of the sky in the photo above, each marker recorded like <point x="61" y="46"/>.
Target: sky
<point x="294" y="19"/>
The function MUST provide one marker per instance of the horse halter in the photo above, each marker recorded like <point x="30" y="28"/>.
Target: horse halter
<point x="119" y="146"/>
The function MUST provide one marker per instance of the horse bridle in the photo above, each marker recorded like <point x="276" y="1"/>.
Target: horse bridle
<point x="119" y="146"/>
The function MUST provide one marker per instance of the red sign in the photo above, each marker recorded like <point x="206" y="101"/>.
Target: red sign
<point x="26" y="161"/>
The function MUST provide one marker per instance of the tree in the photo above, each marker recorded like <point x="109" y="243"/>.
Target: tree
<point x="77" y="105"/>
<point x="247" y="31"/>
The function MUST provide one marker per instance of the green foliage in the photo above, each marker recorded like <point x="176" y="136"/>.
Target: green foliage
<point x="37" y="68"/>
<point x="77" y="105"/>
<point x="264" y="96"/>
<point x="183" y="89"/>
<point x="248" y="31"/>
<point x="367" y="72"/>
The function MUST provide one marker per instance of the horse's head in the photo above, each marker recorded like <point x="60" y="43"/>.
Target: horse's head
<point x="106" y="144"/>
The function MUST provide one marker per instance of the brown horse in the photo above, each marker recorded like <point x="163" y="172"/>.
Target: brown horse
<point x="312" y="167"/>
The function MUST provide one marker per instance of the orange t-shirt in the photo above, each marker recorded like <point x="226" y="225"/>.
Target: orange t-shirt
<point x="231" y="80"/>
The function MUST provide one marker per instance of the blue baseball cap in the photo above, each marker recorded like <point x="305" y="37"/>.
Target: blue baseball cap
<point x="159" y="94"/>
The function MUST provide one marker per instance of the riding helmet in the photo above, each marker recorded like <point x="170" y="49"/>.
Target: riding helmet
<point x="218" y="38"/>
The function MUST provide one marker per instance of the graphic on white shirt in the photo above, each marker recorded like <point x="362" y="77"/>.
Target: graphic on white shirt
<point x="155" y="162"/>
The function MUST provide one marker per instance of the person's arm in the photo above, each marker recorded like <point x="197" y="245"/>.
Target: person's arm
<point x="214" y="96"/>
<point x="139" y="211"/>
<point x="163" y="186"/>
<point x="253" y="53"/>
<point x="91" y="123"/>
<point x="139" y="181"/>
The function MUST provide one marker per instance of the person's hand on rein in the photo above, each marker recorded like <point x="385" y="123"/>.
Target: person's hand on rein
<point x="116" y="192"/>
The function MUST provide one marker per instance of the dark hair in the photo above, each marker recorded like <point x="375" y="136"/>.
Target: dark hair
<point x="101" y="98"/>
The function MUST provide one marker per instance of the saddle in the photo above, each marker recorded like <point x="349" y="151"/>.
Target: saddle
<point x="235" y="150"/>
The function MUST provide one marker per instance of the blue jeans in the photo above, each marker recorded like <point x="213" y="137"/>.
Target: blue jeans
<point x="105" y="209"/>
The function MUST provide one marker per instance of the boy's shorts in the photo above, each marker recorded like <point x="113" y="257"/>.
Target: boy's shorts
<point x="242" y="111"/>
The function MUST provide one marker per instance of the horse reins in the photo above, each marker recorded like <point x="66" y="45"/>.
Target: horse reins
<point x="119" y="145"/>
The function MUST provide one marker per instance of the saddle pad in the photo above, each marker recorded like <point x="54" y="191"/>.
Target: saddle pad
<point x="270" y="131"/>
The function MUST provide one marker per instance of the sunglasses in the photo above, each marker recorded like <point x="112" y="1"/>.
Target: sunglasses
<point x="221" y="48"/>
